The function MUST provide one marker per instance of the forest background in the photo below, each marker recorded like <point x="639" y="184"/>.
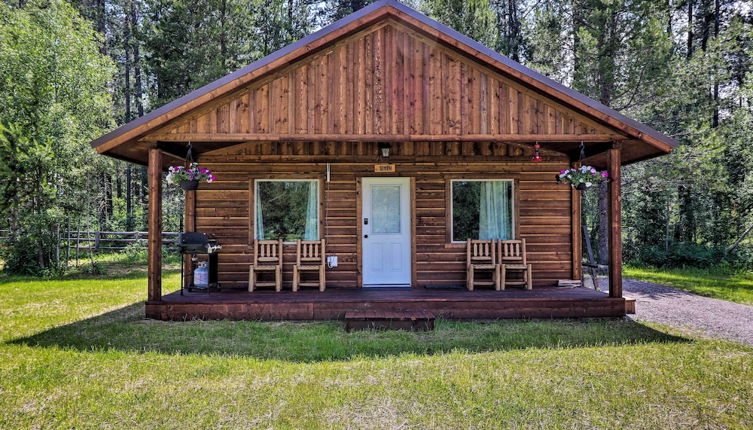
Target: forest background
<point x="70" y="71"/>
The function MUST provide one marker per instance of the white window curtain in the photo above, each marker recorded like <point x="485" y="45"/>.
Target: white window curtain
<point x="494" y="210"/>
<point x="288" y="209"/>
<point x="259" y="219"/>
<point x="311" y="231"/>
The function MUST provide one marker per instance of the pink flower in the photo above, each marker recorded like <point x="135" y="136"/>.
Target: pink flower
<point x="604" y="174"/>
<point x="562" y="172"/>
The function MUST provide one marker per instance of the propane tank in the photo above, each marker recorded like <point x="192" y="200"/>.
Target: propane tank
<point x="201" y="275"/>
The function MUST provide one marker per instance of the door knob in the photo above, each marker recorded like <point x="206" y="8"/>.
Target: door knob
<point x="365" y="236"/>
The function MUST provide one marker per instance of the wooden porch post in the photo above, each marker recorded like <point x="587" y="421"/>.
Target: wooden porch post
<point x="155" y="226"/>
<point x="189" y="225"/>
<point x="615" y="221"/>
<point x="575" y="235"/>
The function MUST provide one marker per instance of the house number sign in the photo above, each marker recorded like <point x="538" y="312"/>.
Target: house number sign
<point x="384" y="168"/>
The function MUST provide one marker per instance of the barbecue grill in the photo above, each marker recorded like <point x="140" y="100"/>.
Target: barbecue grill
<point x="197" y="243"/>
<point x="194" y="244"/>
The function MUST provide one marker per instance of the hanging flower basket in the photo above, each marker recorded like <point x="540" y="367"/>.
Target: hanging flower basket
<point x="582" y="177"/>
<point x="189" y="178"/>
<point x="189" y="185"/>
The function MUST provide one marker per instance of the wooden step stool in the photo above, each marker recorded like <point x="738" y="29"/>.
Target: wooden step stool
<point x="369" y="320"/>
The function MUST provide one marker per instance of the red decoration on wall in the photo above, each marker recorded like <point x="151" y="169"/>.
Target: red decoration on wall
<point x="536" y="154"/>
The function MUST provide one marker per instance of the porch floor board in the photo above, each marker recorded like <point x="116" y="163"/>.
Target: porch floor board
<point x="545" y="302"/>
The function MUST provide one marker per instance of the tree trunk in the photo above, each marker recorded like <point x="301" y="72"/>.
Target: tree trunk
<point x="223" y="36"/>
<point x="144" y="194"/>
<point x="138" y="91"/>
<point x="129" y="197"/>
<point x="706" y="29"/>
<point x="686" y="232"/>
<point x="603" y="229"/>
<point x="102" y="24"/>
<point x="577" y="22"/>
<point x="690" y="28"/>
<point x="127" y="72"/>
<point x="118" y="181"/>
<point x="107" y="204"/>
<point x="513" y="28"/>
<point x="715" y="118"/>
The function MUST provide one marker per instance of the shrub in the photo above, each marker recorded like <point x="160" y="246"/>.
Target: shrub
<point x="677" y="255"/>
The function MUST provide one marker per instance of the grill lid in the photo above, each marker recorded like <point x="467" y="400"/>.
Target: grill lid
<point x="195" y="238"/>
<point x="195" y="242"/>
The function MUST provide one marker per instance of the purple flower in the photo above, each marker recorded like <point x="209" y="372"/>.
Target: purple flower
<point x="604" y="174"/>
<point x="562" y="172"/>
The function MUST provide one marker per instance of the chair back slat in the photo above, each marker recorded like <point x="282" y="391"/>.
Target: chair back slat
<point x="310" y="251"/>
<point x="513" y="251"/>
<point x="480" y="251"/>
<point x="268" y="251"/>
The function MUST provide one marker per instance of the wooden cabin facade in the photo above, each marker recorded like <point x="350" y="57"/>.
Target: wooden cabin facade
<point x="450" y="112"/>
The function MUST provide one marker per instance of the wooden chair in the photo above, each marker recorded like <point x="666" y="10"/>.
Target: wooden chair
<point x="310" y="257"/>
<point x="481" y="256"/>
<point x="267" y="258"/>
<point x="512" y="257"/>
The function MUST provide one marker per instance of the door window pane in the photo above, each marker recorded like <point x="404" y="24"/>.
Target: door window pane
<point x="385" y="209"/>
<point x="481" y="210"/>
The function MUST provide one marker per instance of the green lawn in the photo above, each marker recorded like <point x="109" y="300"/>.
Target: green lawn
<point x="76" y="353"/>
<point x="719" y="283"/>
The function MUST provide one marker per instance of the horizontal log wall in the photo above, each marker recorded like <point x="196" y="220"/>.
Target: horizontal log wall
<point x="222" y="208"/>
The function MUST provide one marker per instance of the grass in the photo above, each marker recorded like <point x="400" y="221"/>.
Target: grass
<point x="76" y="353"/>
<point x="717" y="282"/>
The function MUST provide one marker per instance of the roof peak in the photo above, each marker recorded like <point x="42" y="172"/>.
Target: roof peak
<point x="352" y="23"/>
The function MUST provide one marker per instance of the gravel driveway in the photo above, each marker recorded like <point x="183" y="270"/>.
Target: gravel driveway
<point x="701" y="315"/>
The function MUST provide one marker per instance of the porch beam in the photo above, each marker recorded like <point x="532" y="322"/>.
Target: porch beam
<point x="154" y="269"/>
<point x="255" y="137"/>
<point x="615" y="221"/>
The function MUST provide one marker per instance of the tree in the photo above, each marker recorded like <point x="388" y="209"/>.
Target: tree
<point x="53" y="100"/>
<point x="474" y="18"/>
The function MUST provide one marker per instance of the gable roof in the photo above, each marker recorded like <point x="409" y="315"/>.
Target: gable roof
<point x="112" y="142"/>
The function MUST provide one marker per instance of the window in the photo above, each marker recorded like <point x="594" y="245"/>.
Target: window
<point x="286" y="209"/>
<point x="482" y="209"/>
<point x="385" y="209"/>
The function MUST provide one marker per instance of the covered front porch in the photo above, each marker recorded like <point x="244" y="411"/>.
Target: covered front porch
<point x="344" y="295"/>
<point x="448" y="303"/>
<point x="388" y="94"/>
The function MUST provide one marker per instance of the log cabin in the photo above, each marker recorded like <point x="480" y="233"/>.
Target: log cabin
<point x="395" y="139"/>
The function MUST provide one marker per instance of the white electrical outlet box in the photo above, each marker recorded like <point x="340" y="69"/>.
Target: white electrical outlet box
<point x="332" y="261"/>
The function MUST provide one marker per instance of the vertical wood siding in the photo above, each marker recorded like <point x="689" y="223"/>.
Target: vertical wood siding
<point x="385" y="80"/>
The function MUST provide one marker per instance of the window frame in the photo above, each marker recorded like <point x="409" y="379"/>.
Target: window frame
<point x="449" y="196"/>
<point x="253" y="193"/>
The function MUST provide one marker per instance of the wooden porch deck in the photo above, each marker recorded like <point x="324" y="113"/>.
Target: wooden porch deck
<point x="551" y="302"/>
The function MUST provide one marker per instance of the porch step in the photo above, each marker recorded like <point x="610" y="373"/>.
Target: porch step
<point x="368" y="320"/>
<point x="629" y="306"/>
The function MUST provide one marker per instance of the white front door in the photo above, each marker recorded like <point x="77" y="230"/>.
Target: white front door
<point x="386" y="232"/>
